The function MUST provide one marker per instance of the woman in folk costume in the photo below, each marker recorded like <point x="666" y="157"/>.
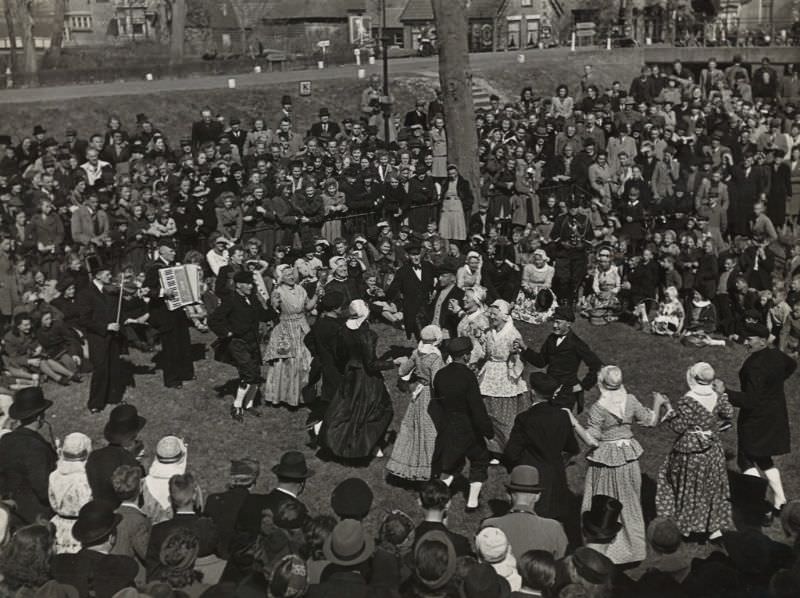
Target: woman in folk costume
<point x="413" y="449"/>
<point x="502" y="386"/>
<point x="360" y="412"/>
<point x="287" y="361"/>
<point x="693" y="488"/>
<point x="171" y="457"/>
<point x="614" y="460"/>
<point x="469" y="275"/>
<point x="536" y="301"/>
<point x="474" y="321"/>
<point x="69" y="490"/>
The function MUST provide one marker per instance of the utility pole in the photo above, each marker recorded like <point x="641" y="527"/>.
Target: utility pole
<point x="385" y="56"/>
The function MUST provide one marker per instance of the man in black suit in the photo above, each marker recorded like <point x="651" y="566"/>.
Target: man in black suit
<point x="412" y="286"/>
<point x="99" y="320"/>
<point x="540" y="437"/>
<point x="122" y="434"/>
<point x="462" y="423"/>
<point x="206" y="129"/>
<point x="173" y="326"/>
<point x="184" y="494"/>
<point x="236" y="322"/>
<point x="223" y="507"/>
<point x="418" y="116"/>
<point x="562" y="354"/>
<point x="26" y="457"/>
<point x="224" y="284"/>
<point x="324" y="343"/>
<point x="481" y="222"/>
<point x="446" y="304"/>
<point x="324" y="129"/>
<point x="238" y="136"/>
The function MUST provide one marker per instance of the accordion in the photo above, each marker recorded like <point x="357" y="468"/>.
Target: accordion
<point x="181" y="284"/>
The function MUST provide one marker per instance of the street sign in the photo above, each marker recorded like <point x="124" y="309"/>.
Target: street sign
<point x="305" y="88"/>
<point x="325" y="43"/>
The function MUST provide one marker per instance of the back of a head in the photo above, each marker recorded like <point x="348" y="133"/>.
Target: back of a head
<point x="315" y="531"/>
<point x="397" y="530"/>
<point x="291" y="515"/>
<point x="538" y="570"/>
<point x="434" y="495"/>
<point x="127" y="481"/>
<point x="431" y="560"/>
<point x="182" y="490"/>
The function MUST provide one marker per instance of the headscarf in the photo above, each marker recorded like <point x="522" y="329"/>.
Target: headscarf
<point x="504" y="307"/>
<point x="358" y="314"/>
<point x="699" y="378"/>
<point x="613" y="396"/>
<point x="541" y="253"/>
<point x="478" y="295"/>
<point x="430" y="332"/>
<point x="476" y="275"/>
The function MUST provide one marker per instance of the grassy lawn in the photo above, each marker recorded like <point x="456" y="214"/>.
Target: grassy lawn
<point x="200" y="415"/>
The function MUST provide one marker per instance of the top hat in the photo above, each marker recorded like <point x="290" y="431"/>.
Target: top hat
<point x="324" y="112"/>
<point x="286" y="99"/>
<point x="348" y="545"/>
<point x="124" y="423"/>
<point x="352" y="499"/>
<point x="592" y="566"/>
<point x="756" y="329"/>
<point x="96" y="520"/>
<point x="601" y="521"/>
<point x="562" y="312"/>
<point x="292" y="466"/>
<point x="543" y="384"/>
<point x="459" y="346"/>
<point x="39" y="130"/>
<point x="524" y="478"/>
<point x="28" y="402"/>
<point x="482" y="581"/>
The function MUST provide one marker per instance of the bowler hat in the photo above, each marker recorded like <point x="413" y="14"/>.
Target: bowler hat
<point x="352" y="499"/>
<point x="96" y="520"/>
<point x="243" y="277"/>
<point x="524" y="478"/>
<point x="482" y="581"/>
<point x="459" y="346"/>
<point x="543" y="384"/>
<point x="28" y="402"/>
<point x="601" y="521"/>
<point x="592" y="566"/>
<point x="124" y="423"/>
<point x="292" y="466"/>
<point x="562" y="312"/>
<point x="348" y="545"/>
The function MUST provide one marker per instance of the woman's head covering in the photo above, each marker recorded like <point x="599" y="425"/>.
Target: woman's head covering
<point x="334" y="262"/>
<point x="431" y="334"/>
<point x="478" y="294"/>
<point x="73" y="453"/>
<point x="281" y="271"/>
<point x="503" y="307"/>
<point x="358" y="314"/>
<point x="613" y="396"/>
<point x="541" y="253"/>
<point x="699" y="378"/>
<point x="171" y="457"/>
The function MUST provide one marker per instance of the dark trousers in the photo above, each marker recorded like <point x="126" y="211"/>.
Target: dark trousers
<point x="451" y="450"/>
<point x="570" y="271"/>
<point x="176" y="355"/>
<point x="569" y="399"/>
<point x="107" y="386"/>
<point x="247" y="359"/>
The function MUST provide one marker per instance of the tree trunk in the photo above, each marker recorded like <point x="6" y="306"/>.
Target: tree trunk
<point x="57" y="37"/>
<point x="177" y="31"/>
<point x="455" y="78"/>
<point x="23" y="20"/>
<point x="12" y="36"/>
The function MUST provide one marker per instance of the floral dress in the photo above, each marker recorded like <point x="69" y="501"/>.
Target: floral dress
<point x="413" y="450"/>
<point x="534" y="281"/>
<point x="68" y="491"/>
<point x="502" y="386"/>
<point x="603" y="306"/>
<point x="287" y="360"/>
<point x="475" y="326"/>
<point x="693" y="488"/>
<point x="614" y="471"/>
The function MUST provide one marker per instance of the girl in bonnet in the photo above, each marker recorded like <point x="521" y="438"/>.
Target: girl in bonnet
<point x="69" y="490"/>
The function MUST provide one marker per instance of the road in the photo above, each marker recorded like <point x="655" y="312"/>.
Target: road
<point x="397" y="67"/>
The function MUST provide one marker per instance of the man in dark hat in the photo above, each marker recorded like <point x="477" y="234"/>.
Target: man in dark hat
<point x="172" y="325"/>
<point x="27" y="457"/>
<point x="223" y="507"/>
<point x="122" y="433"/>
<point x="236" y="323"/>
<point x="285" y="113"/>
<point x="461" y="421"/>
<point x="292" y="473"/>
<point x="206" y="129"/>
<point x="562" y="354"/>
<point x="525" y="528"/>
<point x="763" y="424"/>
<point x="324" y="343"/>
<point x="412" y="287"/>
<point x="324" y="129"/>
<point x="93" y="571"/>
<point x="445" y="306"/>
<point x="572" y="236"/>
<point x="101" y="323"/>
<point x="540" y="437"/>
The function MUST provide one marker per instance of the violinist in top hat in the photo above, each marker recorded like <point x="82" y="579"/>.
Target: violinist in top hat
<point x="27" y="457"/>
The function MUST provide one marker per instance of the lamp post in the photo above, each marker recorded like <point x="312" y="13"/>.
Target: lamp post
<point x="385" y="57"/>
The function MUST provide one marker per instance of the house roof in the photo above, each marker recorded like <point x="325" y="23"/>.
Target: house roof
<point x="421" y="10"/>
<point x="310" y="10"/>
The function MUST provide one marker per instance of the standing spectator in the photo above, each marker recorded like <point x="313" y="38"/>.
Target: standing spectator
<point x="765" y="81"/>
<point x="69" y="490"/>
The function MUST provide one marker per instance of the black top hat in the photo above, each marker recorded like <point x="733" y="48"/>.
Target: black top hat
<point x="483" y="581"/>
<point x="96" y="520"/>
<point x="445" y="268"/>
<point x="331" y="300"/>
<point x="413" y="249"/>
<point x="543" y="384"/>
<point x="352" y="499"/>
<point x="28" y="402"/>
<point x="292" y="466"/>
<point x="749" y="493"/>
<point x="524" y="478"/>
<point x="123" y="424"/>
<point x="324" y="112"/>
<point x="592" y="566"/>
<point x="562" y="312"/>
<point x="39" y="130"/>
<point x="601" y="522"/>
<point x="461" y="345"/>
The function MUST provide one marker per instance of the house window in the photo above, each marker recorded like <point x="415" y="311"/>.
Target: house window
<point x="531" y="33"/>
<point x="226" y="41"/>
<point x="138" y="28"/>
<point x="80" y="22"/>
<point x="513" y="34"/>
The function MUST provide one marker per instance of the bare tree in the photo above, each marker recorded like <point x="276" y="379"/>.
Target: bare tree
<point x="57" y="37"/>
<point x="12" y="35"/>
<point x="455" y="78"/>
<point x="22" y="15"/>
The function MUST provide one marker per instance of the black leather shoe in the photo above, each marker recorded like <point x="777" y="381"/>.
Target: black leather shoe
<point x="472" y="509"/>
<point x="237" y="414"/>
<point x="176" y="385"/>
<point x="254" y="411"/>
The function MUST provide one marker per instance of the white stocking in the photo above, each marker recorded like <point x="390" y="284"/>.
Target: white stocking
<point x="752" y="471"/>
<point x="775" y="484"/>
<point x="447" y="479"/>
<point x="474" y="493"/>
<point x="238" y="401"/>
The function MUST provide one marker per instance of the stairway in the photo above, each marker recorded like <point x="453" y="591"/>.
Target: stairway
<point x="480" y="96"/>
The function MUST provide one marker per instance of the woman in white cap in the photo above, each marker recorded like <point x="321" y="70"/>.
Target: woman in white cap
<point x="614" y="460"/>
<point x="69" y="490"/>
<point x="286" y="358"/>
<point x="693" y="488"/>
<point x="536" y="302"/>
<point x="469" y="275"/>
<point x="360" y="412"/>
<point x="502" y="386"/>
<point x="493" y="548"/>
<point x="474" y="321"/>
<point x="413" y="450"/>
<point x="171" y="457"/>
